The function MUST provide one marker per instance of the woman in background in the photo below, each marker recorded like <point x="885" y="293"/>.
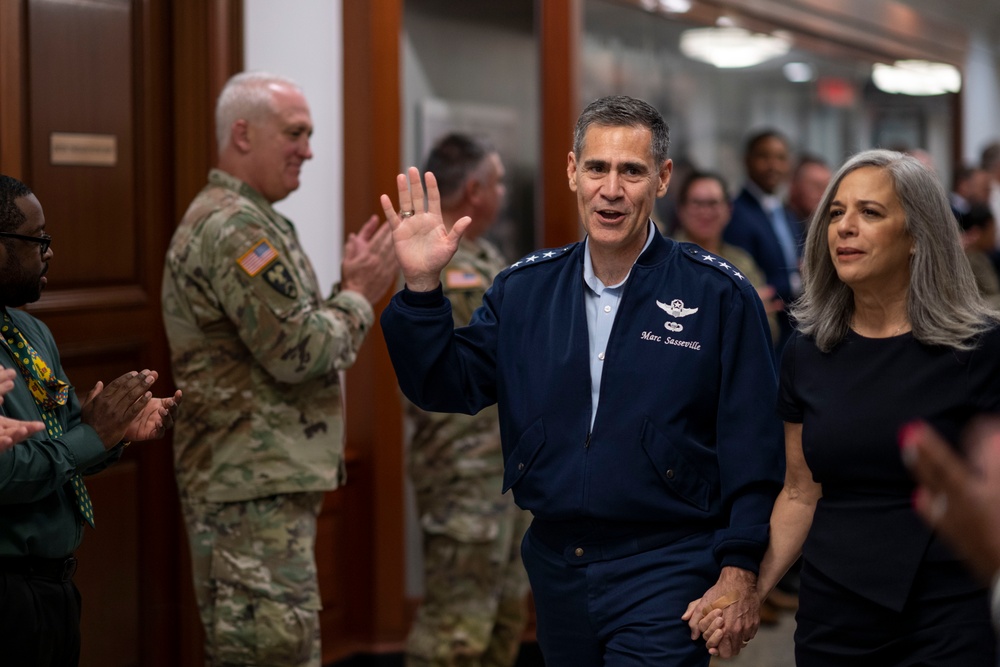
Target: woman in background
<point x="703" y="211"/>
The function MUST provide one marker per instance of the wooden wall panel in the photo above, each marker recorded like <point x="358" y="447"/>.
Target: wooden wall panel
<point x="111" y="67"/>
<point x="80" y="80"/>
<point x="108" y="576"/>
<point x="11" y="87"/>
<point x="374" y="575"/>
<point x="559" y="24"/>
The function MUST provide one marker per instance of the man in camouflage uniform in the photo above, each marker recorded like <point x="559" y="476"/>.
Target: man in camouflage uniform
<point x="257" y="350"/>
<point x="473" y="611"/>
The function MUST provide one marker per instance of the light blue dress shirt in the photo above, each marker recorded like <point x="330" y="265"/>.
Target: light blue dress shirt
<point x="601" y="302"/>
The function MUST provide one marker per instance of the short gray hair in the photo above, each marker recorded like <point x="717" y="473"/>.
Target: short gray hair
<point x="454" y="160"/>
<point x="245" y="96"/>
<point x="943" y="303"/>
<point x="624" y="111"/>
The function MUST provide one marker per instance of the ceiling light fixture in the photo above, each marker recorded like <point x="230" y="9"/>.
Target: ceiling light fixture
<point x="916" y="77"/>
<point x="675" y="6"/>
<point x="798" y="72"/>
<point x="730" y="47"/>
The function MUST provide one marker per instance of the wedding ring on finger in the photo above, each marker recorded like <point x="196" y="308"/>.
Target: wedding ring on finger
<point x="407" y="214"/>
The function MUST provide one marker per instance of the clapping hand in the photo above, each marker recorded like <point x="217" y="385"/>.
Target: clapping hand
<point x="13" y="431"/>
<point x="369" y="266"/>
<point x="126" y="410"/>
<point x="154" y="420"/>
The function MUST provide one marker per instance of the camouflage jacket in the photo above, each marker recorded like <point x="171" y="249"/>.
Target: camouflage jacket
<point x="455" y="460"/>
<point x="256" y="350"/>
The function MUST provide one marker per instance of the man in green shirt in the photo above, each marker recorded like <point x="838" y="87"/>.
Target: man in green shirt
<point x="43" y="499"/>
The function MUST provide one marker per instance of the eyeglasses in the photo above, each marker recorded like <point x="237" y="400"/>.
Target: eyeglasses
<point x="705" y="203"/>
<point x="43" y="241"/>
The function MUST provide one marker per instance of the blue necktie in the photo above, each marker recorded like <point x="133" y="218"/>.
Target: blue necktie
<point x="788" y="246"/>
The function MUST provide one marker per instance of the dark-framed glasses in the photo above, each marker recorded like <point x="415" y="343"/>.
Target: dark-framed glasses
<point x="43" y="241"/>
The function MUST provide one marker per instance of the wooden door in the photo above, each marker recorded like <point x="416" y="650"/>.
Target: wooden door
<point x="89" y="119"/>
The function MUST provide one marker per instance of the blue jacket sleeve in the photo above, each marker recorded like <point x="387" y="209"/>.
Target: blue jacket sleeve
<point x="440" y="368"/>
<point x="750" y="447"/>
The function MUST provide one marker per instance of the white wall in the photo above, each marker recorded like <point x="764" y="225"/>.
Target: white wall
<point x="302" y="40"/>
<point x="479" y="66"/>
<point x="980" y="97"/>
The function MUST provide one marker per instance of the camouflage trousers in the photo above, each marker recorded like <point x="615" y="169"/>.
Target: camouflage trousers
<point x="474" y="608"/>
<point x="254" y="570"/>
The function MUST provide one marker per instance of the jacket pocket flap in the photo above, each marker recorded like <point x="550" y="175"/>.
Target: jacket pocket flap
<point x="675" y="470"/>
<point x="523" y="455"/>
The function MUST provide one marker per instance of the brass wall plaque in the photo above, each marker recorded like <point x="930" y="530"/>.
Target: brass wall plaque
<point x="93" y="150"/>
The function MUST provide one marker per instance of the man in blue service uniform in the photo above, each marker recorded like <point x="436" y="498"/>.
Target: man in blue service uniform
<point x="636" y="387"/>
<point x="43" y="499"/>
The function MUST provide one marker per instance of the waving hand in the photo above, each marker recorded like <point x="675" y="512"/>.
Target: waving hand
<point x="423" y="242"/>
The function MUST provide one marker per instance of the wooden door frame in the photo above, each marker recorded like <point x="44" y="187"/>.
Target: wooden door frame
<point x="373" y="121"/>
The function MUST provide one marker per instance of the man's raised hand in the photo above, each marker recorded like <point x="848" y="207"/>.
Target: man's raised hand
<point x="423" y="242"/>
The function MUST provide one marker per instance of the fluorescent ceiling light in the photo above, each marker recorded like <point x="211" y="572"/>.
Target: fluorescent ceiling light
<point x="675" y="6"/>
<point x="916" y="77"/>
<point x="732" y="47"/>
<point x="798" y="72"/>
<point x="669" y="6"/>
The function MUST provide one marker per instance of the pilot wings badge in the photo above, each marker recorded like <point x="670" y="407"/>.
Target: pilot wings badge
<point x="675" y="309"/>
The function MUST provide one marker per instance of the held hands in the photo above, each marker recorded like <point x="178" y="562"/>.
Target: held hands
<point x="728" y="614"/>
<point x="369" y="265"/>
<point x="424" y="244"/>
<point x="13" y="431"/>
<point x="126" y="409"/>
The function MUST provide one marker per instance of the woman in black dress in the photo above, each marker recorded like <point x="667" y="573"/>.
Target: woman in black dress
<point x="891" y="329"/>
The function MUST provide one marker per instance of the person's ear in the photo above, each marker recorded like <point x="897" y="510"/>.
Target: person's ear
<point x="666" y="169"/>
<point x="473" y="189"/>
<point x="240" y="135"/>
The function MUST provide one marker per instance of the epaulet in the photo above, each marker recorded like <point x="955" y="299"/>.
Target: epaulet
<point x="540" y="257"/>
<point x="701" y="256"/>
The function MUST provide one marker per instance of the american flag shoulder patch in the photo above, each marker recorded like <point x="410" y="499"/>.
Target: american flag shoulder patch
<point x="461" y="279"/>
<point x="259" y="256"/>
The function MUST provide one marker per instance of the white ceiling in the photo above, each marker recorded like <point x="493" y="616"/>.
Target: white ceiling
<point x="972" y="14"/>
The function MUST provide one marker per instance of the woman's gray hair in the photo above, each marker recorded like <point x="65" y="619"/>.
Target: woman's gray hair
<point x="246" y="96"/>
<point x="943" y="303"/>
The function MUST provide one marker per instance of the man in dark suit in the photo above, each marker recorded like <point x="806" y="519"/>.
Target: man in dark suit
<point x="762" y="225"/>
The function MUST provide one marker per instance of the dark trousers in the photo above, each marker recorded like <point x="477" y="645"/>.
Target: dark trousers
<point x="837" y="627"/>
<point x="39" y="622"/>
<point x="621" y="611"/>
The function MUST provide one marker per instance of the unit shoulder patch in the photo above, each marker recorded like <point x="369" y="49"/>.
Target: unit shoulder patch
<point x="279" y="278"/>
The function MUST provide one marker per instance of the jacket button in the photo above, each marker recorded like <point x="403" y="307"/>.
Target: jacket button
<point x="520" y="466"/>
<point x="578" y="552"/>
<point x="669" y="474"/>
